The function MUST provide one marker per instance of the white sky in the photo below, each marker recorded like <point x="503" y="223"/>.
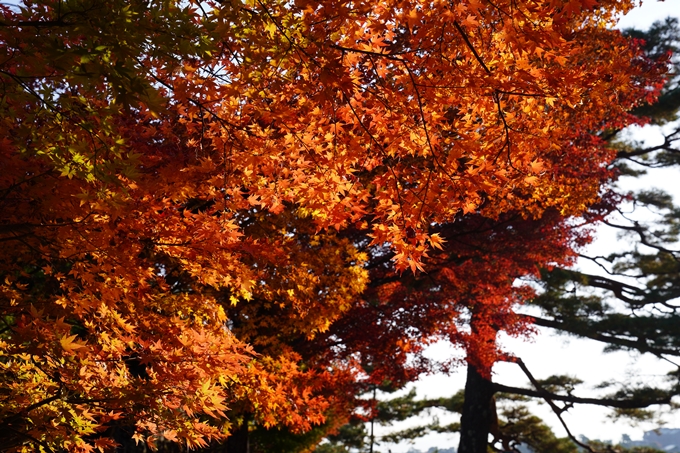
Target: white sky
<point x="548" y="354"/>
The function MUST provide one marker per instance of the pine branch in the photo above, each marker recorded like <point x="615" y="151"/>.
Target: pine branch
<point x="587" y="331"/>
<point x="605" y="402"/>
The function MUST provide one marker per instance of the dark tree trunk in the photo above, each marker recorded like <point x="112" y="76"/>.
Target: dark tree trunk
<point x="122" y="435"/>
<point x="478" y="414"/>
<point x="238" y="442"/>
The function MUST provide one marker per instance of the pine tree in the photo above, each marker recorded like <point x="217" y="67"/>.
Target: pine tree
<point x="632" y="304"/>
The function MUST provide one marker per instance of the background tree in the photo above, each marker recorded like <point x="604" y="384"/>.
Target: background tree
<point x="632" y="304"/>
<point x="516" y="428"/>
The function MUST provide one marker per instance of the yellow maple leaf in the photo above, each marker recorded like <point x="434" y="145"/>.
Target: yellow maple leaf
<point x="532" y="180"/>
<point x="69" y="344"/>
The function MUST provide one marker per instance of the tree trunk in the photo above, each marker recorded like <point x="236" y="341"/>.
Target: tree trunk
<point x="478" y="415"/>
<point x="238" y="441"/>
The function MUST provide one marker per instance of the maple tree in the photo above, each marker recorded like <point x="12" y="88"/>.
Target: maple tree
<point x="635" y="308"/>
<point x="195" y="194"/>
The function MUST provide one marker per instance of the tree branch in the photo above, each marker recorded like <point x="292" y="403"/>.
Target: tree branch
<point x="547" y="397"/>
<point x="588" y="332"/>
<point x="605" y="402"/>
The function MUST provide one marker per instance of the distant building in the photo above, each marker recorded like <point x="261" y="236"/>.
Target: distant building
<point x="433" y="450"/>
<point x="665" y="439"/>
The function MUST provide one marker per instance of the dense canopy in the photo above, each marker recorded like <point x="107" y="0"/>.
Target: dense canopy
<point x="213" y="213"/>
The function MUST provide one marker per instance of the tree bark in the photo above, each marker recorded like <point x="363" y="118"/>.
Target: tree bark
<point x="238" y="441"/>
<point x="478" y="415"/>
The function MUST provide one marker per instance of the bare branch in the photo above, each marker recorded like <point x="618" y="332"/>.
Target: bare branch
<point x="547" y="397"/>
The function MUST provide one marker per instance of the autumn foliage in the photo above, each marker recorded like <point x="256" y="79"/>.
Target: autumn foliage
<point x="208" y="207"/>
